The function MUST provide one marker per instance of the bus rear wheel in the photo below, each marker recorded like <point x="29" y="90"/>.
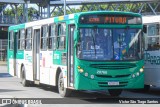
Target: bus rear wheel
<point x="64" y="92"/>
<point x="115" y="92"/>
<point x="24" y="82"/>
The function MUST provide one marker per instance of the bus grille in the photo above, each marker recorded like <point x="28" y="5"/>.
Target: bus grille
<point x="105" y="84"/>
<point x="113" y="66"/>
<point x="116" y="76"/>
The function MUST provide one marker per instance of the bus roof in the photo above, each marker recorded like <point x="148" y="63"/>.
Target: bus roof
<point x="110" y="12"/>
<point x="67" y="17"/>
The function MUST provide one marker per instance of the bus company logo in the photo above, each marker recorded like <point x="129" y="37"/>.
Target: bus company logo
<point x="6" y="101"/>
<point x="102" y="72"/>
<point x="152" y="59"/>
<point x="56" y="56"/>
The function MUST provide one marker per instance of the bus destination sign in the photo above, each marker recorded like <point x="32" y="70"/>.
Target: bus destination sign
<point x="117" y="20"/>
<point x="104" y="19"/>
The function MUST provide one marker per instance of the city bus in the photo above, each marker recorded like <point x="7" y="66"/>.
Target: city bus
<point x="152" y="51"/>
<point x="81" y="51"/>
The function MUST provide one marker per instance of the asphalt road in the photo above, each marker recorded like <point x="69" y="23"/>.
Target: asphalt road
<point x="10" y="87"/>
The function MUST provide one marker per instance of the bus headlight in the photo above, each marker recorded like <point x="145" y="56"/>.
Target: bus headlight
<point x="137" y="73"/>
<point x="81" y="70"/>
<point x="141" y="70"/>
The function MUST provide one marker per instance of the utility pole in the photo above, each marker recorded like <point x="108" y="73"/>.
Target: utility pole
<point x="64" y="7"/>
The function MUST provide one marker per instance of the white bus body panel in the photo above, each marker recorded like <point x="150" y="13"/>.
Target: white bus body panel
<point x="45" y="63"/>
<point x="39" y="22"/>
<point x="150" y="19"/>
<point x="52" y="76"/>
<point x="28" y="65"/>
<point x="48" y="70"/>
<point x="11" y="69"/>
<point x="152" y="70"/>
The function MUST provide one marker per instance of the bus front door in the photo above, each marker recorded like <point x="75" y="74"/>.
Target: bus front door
<point x="36" y="55"/>
<point x="71" y="56"/>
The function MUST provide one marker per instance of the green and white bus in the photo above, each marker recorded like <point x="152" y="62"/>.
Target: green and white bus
<point x="81" y="51"/>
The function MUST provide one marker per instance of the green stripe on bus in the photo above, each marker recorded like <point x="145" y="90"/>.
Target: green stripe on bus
<point x="16" y="27"/>
<point x="20" y="54"/>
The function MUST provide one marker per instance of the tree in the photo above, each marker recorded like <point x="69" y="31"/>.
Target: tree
<point x="19" y="11"/>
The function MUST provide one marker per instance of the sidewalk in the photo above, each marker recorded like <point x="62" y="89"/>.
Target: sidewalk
<point x="3" y="63"/>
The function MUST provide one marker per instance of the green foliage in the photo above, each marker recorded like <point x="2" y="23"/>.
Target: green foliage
<point x="134" y="7"/>
<point x="130" y="7"/>
<point x="19" y="11"/>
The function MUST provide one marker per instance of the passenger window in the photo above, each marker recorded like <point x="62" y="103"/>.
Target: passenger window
<point x="21" y="39"/>
<point x="153" y="37"/>
<point x="11" y="40"/>
<point x="44" y="37"/>
<point x="29" y="39"/>
<point x="52" y="37"/>
<point x="61" y="37"/>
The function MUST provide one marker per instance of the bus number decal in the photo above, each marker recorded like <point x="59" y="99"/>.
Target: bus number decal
<point x="56" y="56"/>
<point x="101" y="72"/>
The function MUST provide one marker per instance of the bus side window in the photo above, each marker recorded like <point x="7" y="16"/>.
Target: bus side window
<point x="11" y="40"/>
<point x="61" y="37"/>
<point x="28" y="39"/>
<point x="153" y="37"/>
<point x="21" y="39"/>
<point x="44" y="37"/>
<point x="52" y="37"/>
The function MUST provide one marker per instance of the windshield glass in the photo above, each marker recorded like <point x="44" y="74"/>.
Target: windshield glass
<point x="109" y="44"/>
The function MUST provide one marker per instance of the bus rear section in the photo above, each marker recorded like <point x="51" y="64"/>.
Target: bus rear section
<point x="151" y="30"/>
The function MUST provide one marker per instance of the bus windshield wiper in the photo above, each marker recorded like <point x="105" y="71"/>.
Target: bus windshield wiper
<point x="94" y="44"/>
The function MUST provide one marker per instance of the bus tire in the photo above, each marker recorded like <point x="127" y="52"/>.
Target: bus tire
<point x="64" y="92"/>
<point x="146" y="88"/>
<point x="24" y="82"/>
<point x="115" y="92"/>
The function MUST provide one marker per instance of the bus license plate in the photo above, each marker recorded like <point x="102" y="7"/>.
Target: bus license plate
<point x="113" y="83"/>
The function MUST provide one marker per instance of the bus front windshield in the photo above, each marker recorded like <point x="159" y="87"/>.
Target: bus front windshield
<point x="109" y="44"/>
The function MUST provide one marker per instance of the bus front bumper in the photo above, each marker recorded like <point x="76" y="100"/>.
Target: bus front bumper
<point x="84" y="83"/>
